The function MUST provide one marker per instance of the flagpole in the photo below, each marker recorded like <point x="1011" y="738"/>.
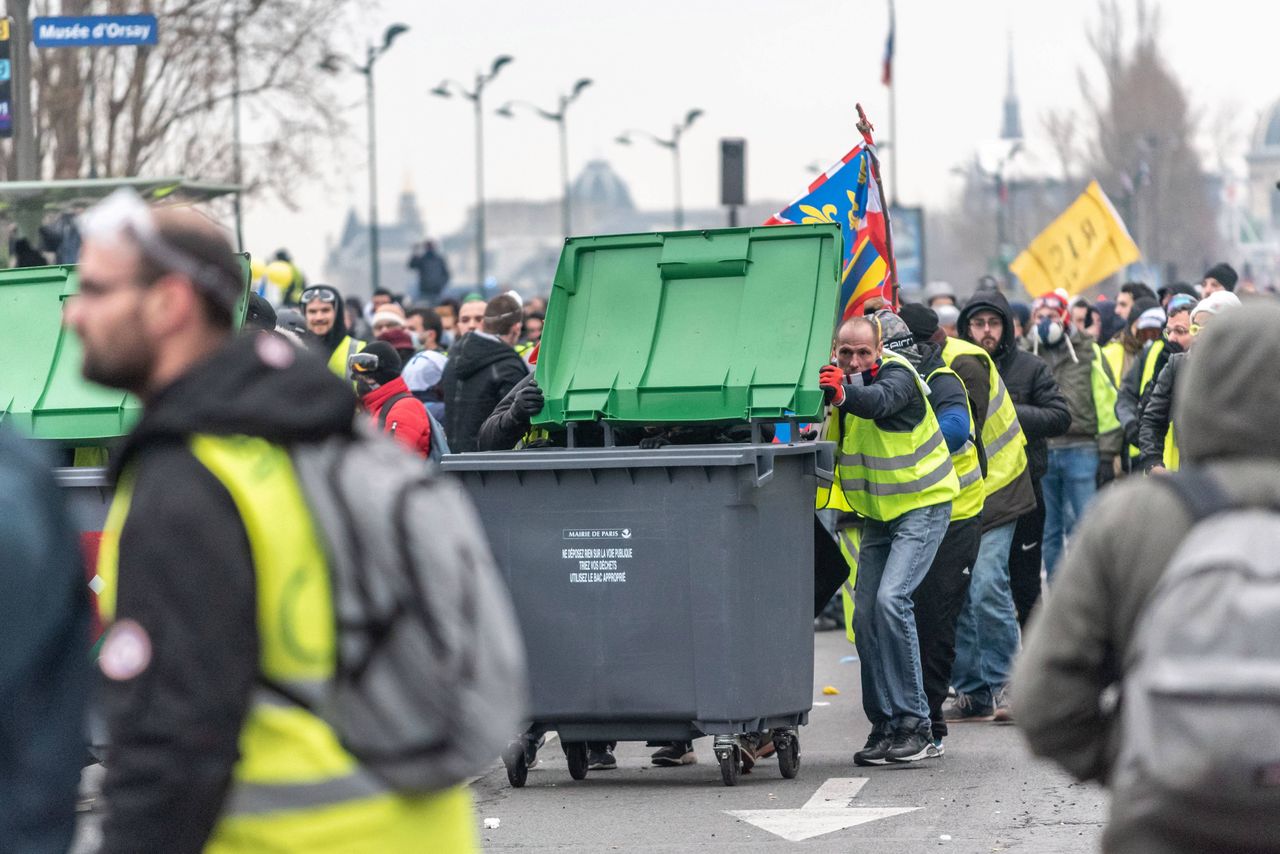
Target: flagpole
<point x="865" y="128"/>
<point x="893" y="112"/>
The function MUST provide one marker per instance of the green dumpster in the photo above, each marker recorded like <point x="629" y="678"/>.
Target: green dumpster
<point x="691" y="326"/>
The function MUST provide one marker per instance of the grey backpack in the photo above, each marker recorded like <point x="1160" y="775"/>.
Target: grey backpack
<point x="430" y="679"/>
<point x="1200" y="750"/>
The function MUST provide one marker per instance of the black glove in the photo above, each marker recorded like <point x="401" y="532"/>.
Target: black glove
<point x="652" y="443"/>
<point x="528" y="402"/>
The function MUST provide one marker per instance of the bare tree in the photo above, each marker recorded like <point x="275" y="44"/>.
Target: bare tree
<point x="166" y="109"/>
<point x="1143" y="151"/>
<point x="1062" y="129"/>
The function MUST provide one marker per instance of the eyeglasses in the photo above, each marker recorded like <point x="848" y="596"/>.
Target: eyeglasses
<point x="1195" y="329"/>
<point x="363" y="363"/>
<point x="321" y="294"/>
<point x="986" y="323"/>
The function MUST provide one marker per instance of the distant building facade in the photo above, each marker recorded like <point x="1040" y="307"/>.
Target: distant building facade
<point x="347" y="261"/>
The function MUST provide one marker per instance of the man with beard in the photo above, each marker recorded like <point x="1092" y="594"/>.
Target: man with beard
<point x="215" y="577"/>
<point x="1041" y="411"/>
<point x="322" y="306"/>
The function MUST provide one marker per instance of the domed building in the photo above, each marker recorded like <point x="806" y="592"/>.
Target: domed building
<point x="1264" y="170"/>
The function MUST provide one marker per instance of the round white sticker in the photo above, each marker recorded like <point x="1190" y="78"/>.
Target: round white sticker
<point x="126" y="651"/>
<point x="274" y="351"/>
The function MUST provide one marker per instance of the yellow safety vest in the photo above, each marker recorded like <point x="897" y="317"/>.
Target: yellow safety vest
<point x="973" y="493"/>
<point x="850" y="541"/>
<point x="1114" y="354"/>
<point x="1104" y="394"/>
<point x="1002" y="436"/>
<point x="1171" y="456"/>
<point x="885" y="474"/>
<point x="294" y="787"/>
<point x="1148" y="358"/>
<point x="346" y="348"/>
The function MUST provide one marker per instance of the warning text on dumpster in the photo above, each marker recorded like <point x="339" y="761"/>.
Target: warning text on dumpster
<point x="597" y="564"/>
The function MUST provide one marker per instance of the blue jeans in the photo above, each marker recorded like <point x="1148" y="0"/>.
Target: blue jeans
<point x="894" y="559"/>
<point x="1068" y="485"/>
<point x="987" y="633"/>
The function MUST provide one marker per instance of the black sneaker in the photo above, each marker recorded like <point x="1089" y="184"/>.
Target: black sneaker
<point x="912" y="746"/>
<point x="601" y="760"/>
<point x="876" y="750"/>
<point x="675" y="754"/>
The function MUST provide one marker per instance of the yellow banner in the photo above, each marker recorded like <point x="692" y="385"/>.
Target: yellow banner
<point x="1080" y="248"/>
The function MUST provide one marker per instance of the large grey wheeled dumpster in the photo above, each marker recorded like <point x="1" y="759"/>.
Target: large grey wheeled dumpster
<point x="663" y="594"/>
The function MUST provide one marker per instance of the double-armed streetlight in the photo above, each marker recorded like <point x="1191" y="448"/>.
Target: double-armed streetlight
<point x="475" y="95"/>
<point x="673" y="144"/>
<point x="557" y="116"/>
<point x="333" y="63"/>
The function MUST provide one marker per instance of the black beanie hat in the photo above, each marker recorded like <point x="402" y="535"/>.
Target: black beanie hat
<point x="1139" y="306"/>
<point x="389" y="364"/>
<point x="1224" y="274"/>
<point x="920" y="319"/>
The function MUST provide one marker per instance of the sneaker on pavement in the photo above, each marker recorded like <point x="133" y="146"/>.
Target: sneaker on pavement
<point x="1003" y="713"/>
<point x="965" y="709"/>
<point x="755" y="746"/>
<point x="937" y="744"/>
<point x="912" y="746"/>
<point x="876" y="750"/>
<point x="601" y="760"/>
<point x="675" y="754"/>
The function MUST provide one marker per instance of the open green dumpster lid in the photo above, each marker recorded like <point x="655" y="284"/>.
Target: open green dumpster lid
<point x="41" y="390"/>
<point x="692" y="326"/>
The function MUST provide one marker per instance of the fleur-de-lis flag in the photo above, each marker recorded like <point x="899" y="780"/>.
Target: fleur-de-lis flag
<point x="848" y="195"/>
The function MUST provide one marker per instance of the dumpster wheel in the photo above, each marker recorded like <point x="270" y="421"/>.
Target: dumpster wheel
<point x="786" y="744"/>
<point x="517" y="764"/>
<point x="729" y="754"/>
<point x="576" y="754"/>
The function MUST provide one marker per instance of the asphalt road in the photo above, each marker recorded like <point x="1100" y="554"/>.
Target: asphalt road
<point x="986" y="794"/>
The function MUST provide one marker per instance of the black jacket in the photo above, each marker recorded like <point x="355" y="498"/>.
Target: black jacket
<point x="480" y="373"/>
<point x="1042" y="410"/>
<point x="1131" y="397"/>
<point x="187" y="577"/>
<point x="891" y="398"/>
<point x="44" y="656"/>
<point x="1157" y="413"/>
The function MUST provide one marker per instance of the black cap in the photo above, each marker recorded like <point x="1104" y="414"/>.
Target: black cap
<point x="389" y="364"/>
<point x="1224" y="274"/>
<point x="920" y="319"/>
<point x="260" y="314"/>
<point x="1139" y="306"/>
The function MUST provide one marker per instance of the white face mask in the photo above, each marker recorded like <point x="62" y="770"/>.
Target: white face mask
<point x="1048" y="331"/>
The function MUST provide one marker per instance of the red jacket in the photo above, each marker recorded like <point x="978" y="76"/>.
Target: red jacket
<point x="407" y="421"/>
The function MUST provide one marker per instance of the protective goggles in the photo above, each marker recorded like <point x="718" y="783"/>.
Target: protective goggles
<point x="363" y="363"/>
<point x="1179" y="302"/>
<point x="321" y="294"/>
<point x="123" y="215"/>
<point x="1195" y="329"/>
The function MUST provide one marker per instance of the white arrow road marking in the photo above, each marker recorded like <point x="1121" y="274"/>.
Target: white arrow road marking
<point x="827" y="811"/>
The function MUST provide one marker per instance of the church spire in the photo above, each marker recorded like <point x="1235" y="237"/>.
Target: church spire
<point x="1011" y="127"/>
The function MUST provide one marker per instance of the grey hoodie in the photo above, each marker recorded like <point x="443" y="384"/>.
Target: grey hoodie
<point x="1226" y="410"/>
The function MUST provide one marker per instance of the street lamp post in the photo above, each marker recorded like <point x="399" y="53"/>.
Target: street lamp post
<point x="557" y="116"/>
<point x="333" y="63"/>
<point x="673" y="144"/>
<point x="449" y="88"/>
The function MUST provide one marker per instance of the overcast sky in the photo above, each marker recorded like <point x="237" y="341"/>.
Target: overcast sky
<point x="784" y="74"/>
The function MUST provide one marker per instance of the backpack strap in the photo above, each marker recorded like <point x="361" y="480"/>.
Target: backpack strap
<point x="386" y="408"/>
<point x="1199" y="492"/>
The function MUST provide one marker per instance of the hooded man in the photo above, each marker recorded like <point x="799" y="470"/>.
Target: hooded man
<point x="322" y="307"/>
<point x="1081" y="645"/>
<point x="208" y="528"/>
<point x="987" y="321"/>
<point x="1157" y="438"/>
<point x="986" y="633"/>
<point x="1072" y="476"/>
<point x="483" y="366"/>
